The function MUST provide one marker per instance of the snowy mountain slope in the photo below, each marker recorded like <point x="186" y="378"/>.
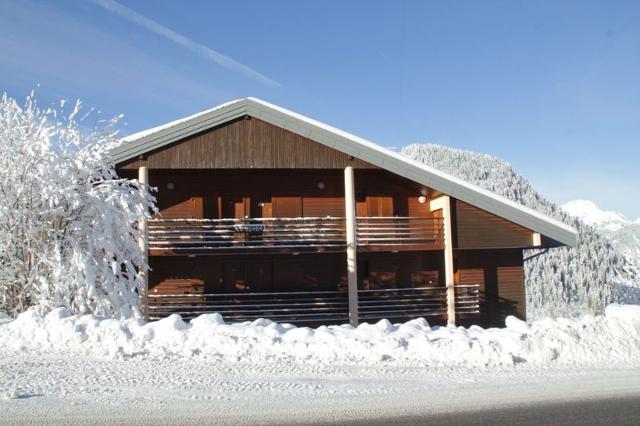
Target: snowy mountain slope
<point x="563" y="281"/>
<point x="588" y="212"/>
<point x="624" y="233"/>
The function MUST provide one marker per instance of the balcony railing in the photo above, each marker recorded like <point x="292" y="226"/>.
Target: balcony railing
<point x="182" y="236"/>
<point x="178" y="235"/>
<point x="388" y="232"/>
<point x="467" y="299"/>
<point x="317" y="307"/>
<point x="401" y="303"/>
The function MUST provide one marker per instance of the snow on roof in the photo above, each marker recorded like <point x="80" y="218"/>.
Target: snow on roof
<point x="157" y="137"/>
<point x="147" y="132"/>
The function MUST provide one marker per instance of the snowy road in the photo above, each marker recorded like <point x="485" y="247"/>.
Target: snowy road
<point x="83" y="369"/>
<point x="142" y="390"/>
<point x="611" y="411"/>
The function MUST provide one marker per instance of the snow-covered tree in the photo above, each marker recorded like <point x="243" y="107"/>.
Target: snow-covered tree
<point x="68" y="234"/>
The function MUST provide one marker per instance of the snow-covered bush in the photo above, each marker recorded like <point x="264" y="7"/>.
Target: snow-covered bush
<point x="68" y="235"/>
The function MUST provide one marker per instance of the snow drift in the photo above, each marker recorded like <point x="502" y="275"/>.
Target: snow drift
<point x="590" y="340"/>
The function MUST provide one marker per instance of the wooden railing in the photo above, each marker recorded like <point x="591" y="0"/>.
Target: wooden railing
<point x="467" y="299"/>
<point x="402" y="303"/>
<point x="399" y="231"/>
<point x="317" y="307"/>
<point x="182" y="236"/>
<point x="298" y="307"/>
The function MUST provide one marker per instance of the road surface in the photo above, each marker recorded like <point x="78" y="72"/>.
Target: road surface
<point x="55" y="389"/>
<point x="608" y="411"/>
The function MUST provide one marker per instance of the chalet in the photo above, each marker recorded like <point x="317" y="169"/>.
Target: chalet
<point x="264" y="212"/>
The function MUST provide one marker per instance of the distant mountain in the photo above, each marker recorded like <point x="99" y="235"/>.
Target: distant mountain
<point x="624" y="233"/>
<point x="563" y="281"/>
<point x="588" y="212"/>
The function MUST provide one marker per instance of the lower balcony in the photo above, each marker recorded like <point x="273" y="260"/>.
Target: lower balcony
<point x="318" y="307"/>
<point x="298" y="234"/>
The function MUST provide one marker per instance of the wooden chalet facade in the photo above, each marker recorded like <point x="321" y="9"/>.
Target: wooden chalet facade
<point x="266" y="213"/>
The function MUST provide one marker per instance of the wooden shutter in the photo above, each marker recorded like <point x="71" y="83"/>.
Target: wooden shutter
<point x="313" y="206"/>
<point x="191" y="208"/>
<point x="286" y="206"/>
<point x="380" y="205"/>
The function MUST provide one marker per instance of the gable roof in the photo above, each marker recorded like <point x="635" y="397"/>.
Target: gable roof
<point x="157" y="137"/>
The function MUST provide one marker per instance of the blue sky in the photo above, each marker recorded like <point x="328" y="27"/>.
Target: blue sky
<point x="552" y="87"/>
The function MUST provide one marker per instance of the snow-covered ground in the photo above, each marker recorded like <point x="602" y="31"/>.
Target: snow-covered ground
<point x="142" y="391"/>
<point x="76" y="368"/>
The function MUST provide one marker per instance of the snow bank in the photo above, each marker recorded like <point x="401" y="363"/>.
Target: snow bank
<point x="612" y="338"/>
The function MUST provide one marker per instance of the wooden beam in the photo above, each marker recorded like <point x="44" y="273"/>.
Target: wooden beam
<point x="444" y="203"/>
<point x="352" y="269"/>
<point x="536" y="239"/>
<point x="231" y="251"/>
<point x="143" y="242"/>
<point x="400" y="248"/>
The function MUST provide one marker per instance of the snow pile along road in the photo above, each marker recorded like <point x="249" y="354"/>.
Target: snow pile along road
<point x="614" y="337"/>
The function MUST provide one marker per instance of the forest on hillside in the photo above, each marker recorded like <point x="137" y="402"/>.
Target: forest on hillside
<point x="562" y="281"/>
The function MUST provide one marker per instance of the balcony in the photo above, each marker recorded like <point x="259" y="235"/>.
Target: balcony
<point x="290" y="235"/>
<point x="316" y="307"/>
<point x="399" y="233"/>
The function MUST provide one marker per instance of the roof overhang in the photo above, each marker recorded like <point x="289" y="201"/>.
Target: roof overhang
<point x="158" y="137"/>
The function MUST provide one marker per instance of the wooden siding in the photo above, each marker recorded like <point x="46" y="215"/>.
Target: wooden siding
<point x="500" y="274"/>
<point x="400" y="270"/>
<point x="511" y="290"/>
<point x="375" y="205"/>
<point x="247" y="144"/>
<point x="281" y="272"/>
<point x="274" y="193"/>
<point x="254" y="273"/>
<point x="323" y="206"/>
<point x="286" y="206"/>
<point x="477" y="228"/>
<point x="190" y="208"/>
<point x="197" y="273"/>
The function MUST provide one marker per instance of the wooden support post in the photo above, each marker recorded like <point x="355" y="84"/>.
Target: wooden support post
<point x="352" y="268"/>
<point x="143" y="242"/>
<point x="444" y="203"/>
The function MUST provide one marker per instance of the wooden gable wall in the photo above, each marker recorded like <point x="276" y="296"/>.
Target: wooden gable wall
<point x="500" y="274"/>
<point x="248" y="143"/>
<point x="476" y="228"/>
